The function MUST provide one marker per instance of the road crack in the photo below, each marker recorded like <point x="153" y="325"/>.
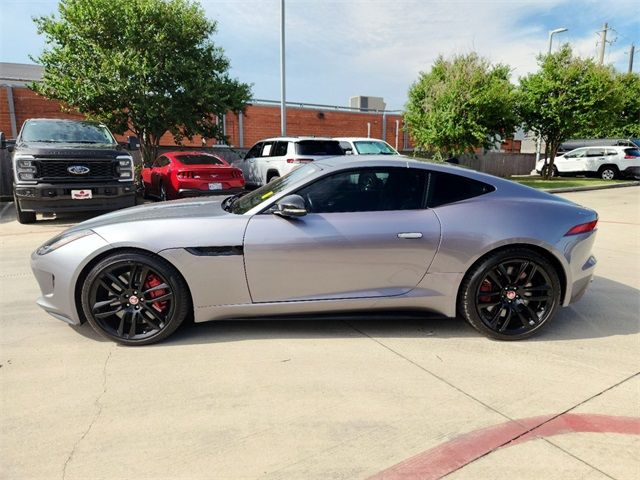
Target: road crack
<point x="98" y="404"/>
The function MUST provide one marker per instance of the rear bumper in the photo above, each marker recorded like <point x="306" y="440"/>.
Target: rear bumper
<point x="54" y="198"/>
<point x="189" y="192"/>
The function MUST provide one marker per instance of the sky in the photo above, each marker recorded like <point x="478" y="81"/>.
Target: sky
<point x="336" y="49"/>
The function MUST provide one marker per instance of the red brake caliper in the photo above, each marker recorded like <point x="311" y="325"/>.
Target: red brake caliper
<point x="154" y="281"/>
<point x="485" y="287"/>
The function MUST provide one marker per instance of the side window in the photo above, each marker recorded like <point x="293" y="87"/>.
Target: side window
<point x="279" y="149"/>
<point x="346" y="146"/>
<point x="255" y="151"/>
<point x="367" y="190"/>
<point x="447" y="188"/>
<point x="161" y="161"/>
<point x="595" y="152"/>
<point x="156" y="163"/>
<point x="611" y="151"/>
<point x="266" y="149"/>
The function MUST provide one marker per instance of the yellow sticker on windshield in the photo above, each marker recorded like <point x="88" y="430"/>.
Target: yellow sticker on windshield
<point x="266" y="195"/>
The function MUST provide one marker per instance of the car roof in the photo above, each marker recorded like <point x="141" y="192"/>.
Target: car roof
<point x="359" y="139"/>
<point x="294" y="139"/>
<point x="591" y="147"/>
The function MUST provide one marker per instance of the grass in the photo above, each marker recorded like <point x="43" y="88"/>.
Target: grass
<point x="539" y="182"/>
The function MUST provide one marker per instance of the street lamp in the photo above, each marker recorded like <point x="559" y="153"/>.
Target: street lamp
<point x="551" y="34"/>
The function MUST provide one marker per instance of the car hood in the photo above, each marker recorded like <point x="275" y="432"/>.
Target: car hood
<point x="186" y="208"/>
<point x="69" y="150"/>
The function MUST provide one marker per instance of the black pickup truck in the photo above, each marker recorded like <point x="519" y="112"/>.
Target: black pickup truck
<point x="69" y="166"/>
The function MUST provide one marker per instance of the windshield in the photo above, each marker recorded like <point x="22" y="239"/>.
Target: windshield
<point x="52" y="131"/>
<point x="244" y="204"/>
<point x="373" y="147"/>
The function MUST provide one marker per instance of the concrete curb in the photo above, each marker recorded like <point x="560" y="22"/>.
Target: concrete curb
<point x="586" y="189"/>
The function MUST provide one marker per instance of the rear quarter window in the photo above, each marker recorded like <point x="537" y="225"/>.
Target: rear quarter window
<point x="632" y="152"/>
<point x="318" y="147"/>
<point x="445" y="188"/>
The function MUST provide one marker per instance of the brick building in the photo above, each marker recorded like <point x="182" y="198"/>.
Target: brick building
<point x="260" y="119"/>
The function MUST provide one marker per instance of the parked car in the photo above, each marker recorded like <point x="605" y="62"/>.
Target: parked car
<point x="338" y="235"/>
<point x="190" y="173"/>
<point x="606" y="162"/>
<point x="69" y="166"/>
<point x="598" y="142"/>
<point x="272" y="158"/>
<point x="365" y="146"/>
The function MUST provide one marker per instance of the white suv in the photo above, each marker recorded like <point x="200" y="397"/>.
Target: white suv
<point x="274" y="157"/>
<point x="606" y="162"/>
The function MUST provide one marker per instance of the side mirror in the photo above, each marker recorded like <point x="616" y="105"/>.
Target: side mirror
<point x="291" y="206"/>
<point x="132" y="143"/>
<point x="3" y="141"/>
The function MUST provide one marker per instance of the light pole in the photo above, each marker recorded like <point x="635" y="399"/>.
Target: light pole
<point x="551" y="34"/>
<point x="283" y="102"/>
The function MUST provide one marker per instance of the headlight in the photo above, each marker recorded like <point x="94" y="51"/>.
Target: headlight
<point x="60" y="240"/>
<point x="125" y="167"/>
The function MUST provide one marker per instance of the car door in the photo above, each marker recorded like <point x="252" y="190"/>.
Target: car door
<point x="367" y="234"/>
<point x="594" y="159"/>
<point x="573" y="161"/>
<point x="157" y="173"/>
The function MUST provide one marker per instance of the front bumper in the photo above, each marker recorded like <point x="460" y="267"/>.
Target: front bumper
<point x="57" y="273"/>
<point x="54" y="198"/>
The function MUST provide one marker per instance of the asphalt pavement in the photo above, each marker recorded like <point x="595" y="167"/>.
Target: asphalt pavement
<point x="393" y="398"/>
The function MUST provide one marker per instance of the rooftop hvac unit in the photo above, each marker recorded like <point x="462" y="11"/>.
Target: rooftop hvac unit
<point x="367" y="103"/>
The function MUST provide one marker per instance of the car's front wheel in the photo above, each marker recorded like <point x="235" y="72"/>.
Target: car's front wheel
<point x="134" y="298"/>
<point x="554" y="171"/>
<point x="510" y="294"/>
<point x="23" y="217"/>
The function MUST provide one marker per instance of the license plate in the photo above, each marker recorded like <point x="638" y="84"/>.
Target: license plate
<point x="81" y="194"/>
<point x="215" y="186"/>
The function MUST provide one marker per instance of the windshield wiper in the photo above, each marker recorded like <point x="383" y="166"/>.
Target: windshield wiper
<point x="228" y="202"/>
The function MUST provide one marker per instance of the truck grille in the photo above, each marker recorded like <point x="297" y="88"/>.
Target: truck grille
<point x="59" y="170"/>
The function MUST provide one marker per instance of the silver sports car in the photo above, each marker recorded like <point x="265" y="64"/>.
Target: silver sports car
<point x="335" y="236"/>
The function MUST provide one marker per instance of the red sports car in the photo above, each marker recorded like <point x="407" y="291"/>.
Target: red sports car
<point x="187" y="174"/>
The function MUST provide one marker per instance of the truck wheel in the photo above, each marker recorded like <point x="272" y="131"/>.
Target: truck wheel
<point x="608" y="172"/>
<point x="24" y="217"/>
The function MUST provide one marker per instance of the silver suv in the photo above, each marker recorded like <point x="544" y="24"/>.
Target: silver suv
<point x="274" y="157"/>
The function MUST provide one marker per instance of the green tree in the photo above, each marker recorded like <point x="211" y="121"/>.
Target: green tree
<point x="461" y="104"/>
<point x="567" y="95"/>
<point x="145" y="65"/>
<point x="626" y="122"/>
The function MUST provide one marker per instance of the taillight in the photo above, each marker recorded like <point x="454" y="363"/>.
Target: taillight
<point x="236" y="173"/>
<point x="630" y="157"/>
<point x="185" y="175"/>
<point x="299" y="160"/>
<point x="582" y="228"/>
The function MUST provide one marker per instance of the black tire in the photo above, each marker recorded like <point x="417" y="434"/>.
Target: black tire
<point x="554" y="171"/>
<point x="608" y="172"/>
<point x="23" y="217"/>
<point x="503" y="305"/>
<point x="163" y="193"/>
<point x="123" y="278"/>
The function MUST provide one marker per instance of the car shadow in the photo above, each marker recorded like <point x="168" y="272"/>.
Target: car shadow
<point x="609" y="308"/>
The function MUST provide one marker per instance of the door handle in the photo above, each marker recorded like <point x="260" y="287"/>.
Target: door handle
<point x="410" y="235"/>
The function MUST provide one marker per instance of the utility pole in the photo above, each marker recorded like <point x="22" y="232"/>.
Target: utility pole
<point x="631" y="54"/>
<point x="603" y="42"/>
<point x="283" y="101"/>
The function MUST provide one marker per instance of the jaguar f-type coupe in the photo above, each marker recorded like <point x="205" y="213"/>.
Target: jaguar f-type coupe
<point x="336" y="236"/>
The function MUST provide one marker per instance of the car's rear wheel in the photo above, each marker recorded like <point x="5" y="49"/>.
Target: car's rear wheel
<point x="510" y="294"/>
<point x="163" y="193"/>
<point x="608" y="172"/>
<point x="134" y="298"/>
<point x="23" y="217"/>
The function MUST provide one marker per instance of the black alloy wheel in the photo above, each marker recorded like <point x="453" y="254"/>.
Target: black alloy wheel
<point x="134" y="298"/>
<point x="511" y="294"/>
<point x="163" y="193"/>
